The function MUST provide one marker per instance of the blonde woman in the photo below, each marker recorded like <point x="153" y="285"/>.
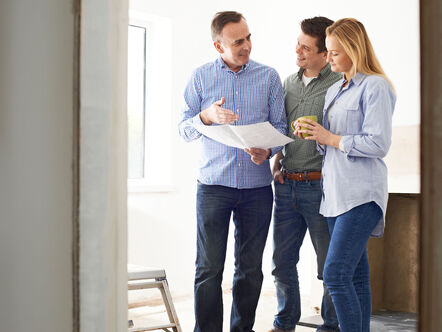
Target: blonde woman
<point x="355" y="137"/>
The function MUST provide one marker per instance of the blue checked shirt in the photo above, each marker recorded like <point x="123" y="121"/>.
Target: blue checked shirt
<point x="361" y="113"/>
<point x="254" y="93"/>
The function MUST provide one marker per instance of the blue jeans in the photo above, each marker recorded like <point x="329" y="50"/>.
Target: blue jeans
<point x="252" y="211"/>
<point x="296" y="209"/>
<point x="346" y="271"/>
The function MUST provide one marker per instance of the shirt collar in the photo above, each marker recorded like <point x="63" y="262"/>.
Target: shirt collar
<point x="324" y="71"/>
<point x="300" y="73"/>
<point x="220" y="62"/>
<point x="358" y="78"/>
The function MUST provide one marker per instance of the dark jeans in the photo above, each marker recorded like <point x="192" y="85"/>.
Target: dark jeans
<point x="346" y="271"/>
<point x="252" y="210"/>
<point x="296" y="210"/>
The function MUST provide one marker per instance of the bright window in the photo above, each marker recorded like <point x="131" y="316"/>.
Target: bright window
<point x="149" y="103"/>
<point x="136" y="100"/>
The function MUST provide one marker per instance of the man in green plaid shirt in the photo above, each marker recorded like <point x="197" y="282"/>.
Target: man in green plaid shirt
<point x="297" y="180"/>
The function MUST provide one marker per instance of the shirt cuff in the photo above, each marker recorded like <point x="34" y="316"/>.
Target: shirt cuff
<point x="197" y="120"/>
<point x="346" y="143"/>
<point x="341" y="146"/>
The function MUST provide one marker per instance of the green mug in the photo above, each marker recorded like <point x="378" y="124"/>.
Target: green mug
<point x="311" y="117"/>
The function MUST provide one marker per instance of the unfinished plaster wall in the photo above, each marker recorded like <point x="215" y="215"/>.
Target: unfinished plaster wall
<point x="394" y="257"/>
<point x="103" y="166"/>
<point x="36" y="140"/>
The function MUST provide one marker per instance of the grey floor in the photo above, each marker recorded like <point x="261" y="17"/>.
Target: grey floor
<point x="153" y="313"/>
<point x="394" y="321"/>
<point x="383" y="321"/>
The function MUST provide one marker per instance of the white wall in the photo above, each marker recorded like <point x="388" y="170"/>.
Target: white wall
<point x="162" y="225"/>
<point x="36" y="121"/>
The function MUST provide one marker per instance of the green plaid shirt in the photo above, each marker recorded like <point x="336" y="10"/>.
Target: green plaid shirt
<point x="300" y="100"/>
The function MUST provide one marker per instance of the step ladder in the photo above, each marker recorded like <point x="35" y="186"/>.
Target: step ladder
<point x="140" y="277"/>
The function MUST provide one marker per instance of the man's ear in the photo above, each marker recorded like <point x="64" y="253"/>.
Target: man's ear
<point x="218" y="46"/>
<point x="324" y="54"/>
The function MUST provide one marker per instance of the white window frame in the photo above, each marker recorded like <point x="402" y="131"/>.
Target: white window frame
<point x="158" y="110"/>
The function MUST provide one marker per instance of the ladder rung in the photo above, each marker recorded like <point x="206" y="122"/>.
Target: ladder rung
<point x="145" y="285"/>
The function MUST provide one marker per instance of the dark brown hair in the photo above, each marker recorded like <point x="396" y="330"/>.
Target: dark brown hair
<point x="221" y="19"/>
<point x="315" y="27"/>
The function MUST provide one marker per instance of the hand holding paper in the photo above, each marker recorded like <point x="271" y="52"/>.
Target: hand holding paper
<point x="258" y="155"/>
<point x="259" y="135"/>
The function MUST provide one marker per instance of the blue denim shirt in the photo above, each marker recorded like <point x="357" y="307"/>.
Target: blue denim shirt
<point x="362" y="114"/>
<point x="255" y="93"/>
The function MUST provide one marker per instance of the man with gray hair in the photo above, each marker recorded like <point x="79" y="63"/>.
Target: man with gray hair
<point x="231" y="90"/>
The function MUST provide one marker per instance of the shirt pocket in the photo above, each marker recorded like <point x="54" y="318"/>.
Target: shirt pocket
<point x="354" y="119"/>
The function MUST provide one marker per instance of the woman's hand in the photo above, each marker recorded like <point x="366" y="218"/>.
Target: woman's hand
<point x="318" y="133"/>
<point x="297" y="132"/>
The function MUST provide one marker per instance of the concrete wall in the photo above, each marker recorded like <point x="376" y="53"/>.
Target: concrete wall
<point x="394" y="259"/>
<point x="36" y="121"/>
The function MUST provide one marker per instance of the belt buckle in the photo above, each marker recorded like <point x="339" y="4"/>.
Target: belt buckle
<point x="299" y="176"/>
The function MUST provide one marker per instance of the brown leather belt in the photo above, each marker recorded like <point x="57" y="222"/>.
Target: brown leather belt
<point x="302" y="176"/>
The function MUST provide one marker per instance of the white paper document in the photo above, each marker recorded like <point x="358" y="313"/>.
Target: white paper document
<point x="259" y="135"/>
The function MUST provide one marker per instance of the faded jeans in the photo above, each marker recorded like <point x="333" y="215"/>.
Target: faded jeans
<point x="296" y="209"/>
<point x="252" y="211"/>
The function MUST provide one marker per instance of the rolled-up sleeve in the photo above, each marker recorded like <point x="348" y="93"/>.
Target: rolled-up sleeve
<point x="190" y="114"/>
<point x="375" y="138"/>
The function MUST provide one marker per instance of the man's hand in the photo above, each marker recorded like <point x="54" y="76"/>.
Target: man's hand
<point x="276" y="169"/>
<point x="217" y="114"/>
<point x="258" y="155"/>
<point x="277" y="176"/>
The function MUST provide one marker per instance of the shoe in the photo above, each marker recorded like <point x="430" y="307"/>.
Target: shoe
<point x="277" y="329"/>
<point x="323" y="330"/>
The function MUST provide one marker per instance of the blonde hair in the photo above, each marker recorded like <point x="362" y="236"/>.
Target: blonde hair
<point x="353" y="37"/>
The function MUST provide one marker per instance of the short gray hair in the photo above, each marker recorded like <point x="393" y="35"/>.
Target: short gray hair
<point x="221" y="19"/>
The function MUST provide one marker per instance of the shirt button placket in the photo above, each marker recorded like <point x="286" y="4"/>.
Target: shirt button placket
<point x="236" y="87"/>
